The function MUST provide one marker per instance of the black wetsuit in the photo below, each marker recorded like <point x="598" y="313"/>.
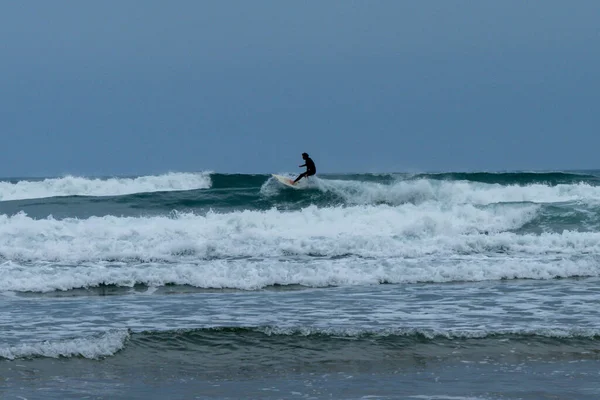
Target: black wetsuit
<point x="310" y="169"/>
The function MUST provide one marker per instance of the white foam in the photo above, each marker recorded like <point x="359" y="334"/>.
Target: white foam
<point x="252" y="275"/>
<point x="368" y="231"/>
<point x="104" y="345"/>
<point x="429" y="333"/>
<point x="79" y="186"/>
<point x="313" y="247"/>
<point x="447" y="192"/>
<point x="445" y="397"/>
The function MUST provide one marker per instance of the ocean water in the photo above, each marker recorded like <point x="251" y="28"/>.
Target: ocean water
<point x="357" y="286"/>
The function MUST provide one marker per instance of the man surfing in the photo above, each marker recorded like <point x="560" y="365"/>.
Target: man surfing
<point x="310" y="168"/>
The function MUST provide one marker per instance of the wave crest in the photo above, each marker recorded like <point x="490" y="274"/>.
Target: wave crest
<point x="104" y="345"/>
<point x="80" y="186"/>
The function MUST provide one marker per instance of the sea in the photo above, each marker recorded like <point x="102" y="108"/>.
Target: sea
<point x="201" y="285"/>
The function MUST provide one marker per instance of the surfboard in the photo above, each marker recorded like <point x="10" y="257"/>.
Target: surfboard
<point x="285" y="181"/>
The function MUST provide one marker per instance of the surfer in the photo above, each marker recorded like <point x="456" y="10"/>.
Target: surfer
<point x="310" y="167"/>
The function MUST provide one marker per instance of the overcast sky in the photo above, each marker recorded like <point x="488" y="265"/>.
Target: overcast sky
<point x="143" y="87"/>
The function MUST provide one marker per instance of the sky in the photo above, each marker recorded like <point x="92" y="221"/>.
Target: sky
<point x="147" y="87"/>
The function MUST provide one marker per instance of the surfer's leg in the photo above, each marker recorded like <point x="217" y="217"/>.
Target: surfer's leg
<point x="302" y="175"/>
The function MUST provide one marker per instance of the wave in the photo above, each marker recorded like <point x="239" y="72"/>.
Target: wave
<point x="93" y="347"/>
<point x="417" y="334"/>
<point x="169" y="192"/>
<point x="454" y="192"/>
<point x="80" y="186"/>
<point x="313" y="247"/>
<point x="257" y="275"/>
<point x="393" y="190"/>
<point x="269" y="340"/>
<point x="516" y="178"/>
<point x="366" y="231"/>
<point x="522" y="178"/>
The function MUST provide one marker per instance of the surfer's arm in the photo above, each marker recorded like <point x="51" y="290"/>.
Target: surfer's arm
<point x="303" y="165"/>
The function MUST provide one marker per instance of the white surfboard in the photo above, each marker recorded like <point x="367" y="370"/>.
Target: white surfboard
<point x="286" y="181"/>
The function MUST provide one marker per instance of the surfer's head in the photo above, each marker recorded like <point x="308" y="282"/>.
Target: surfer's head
<point x="304" y="156"/>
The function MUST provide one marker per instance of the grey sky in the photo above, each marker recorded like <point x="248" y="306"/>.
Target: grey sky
<point x="136" y="87"/>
